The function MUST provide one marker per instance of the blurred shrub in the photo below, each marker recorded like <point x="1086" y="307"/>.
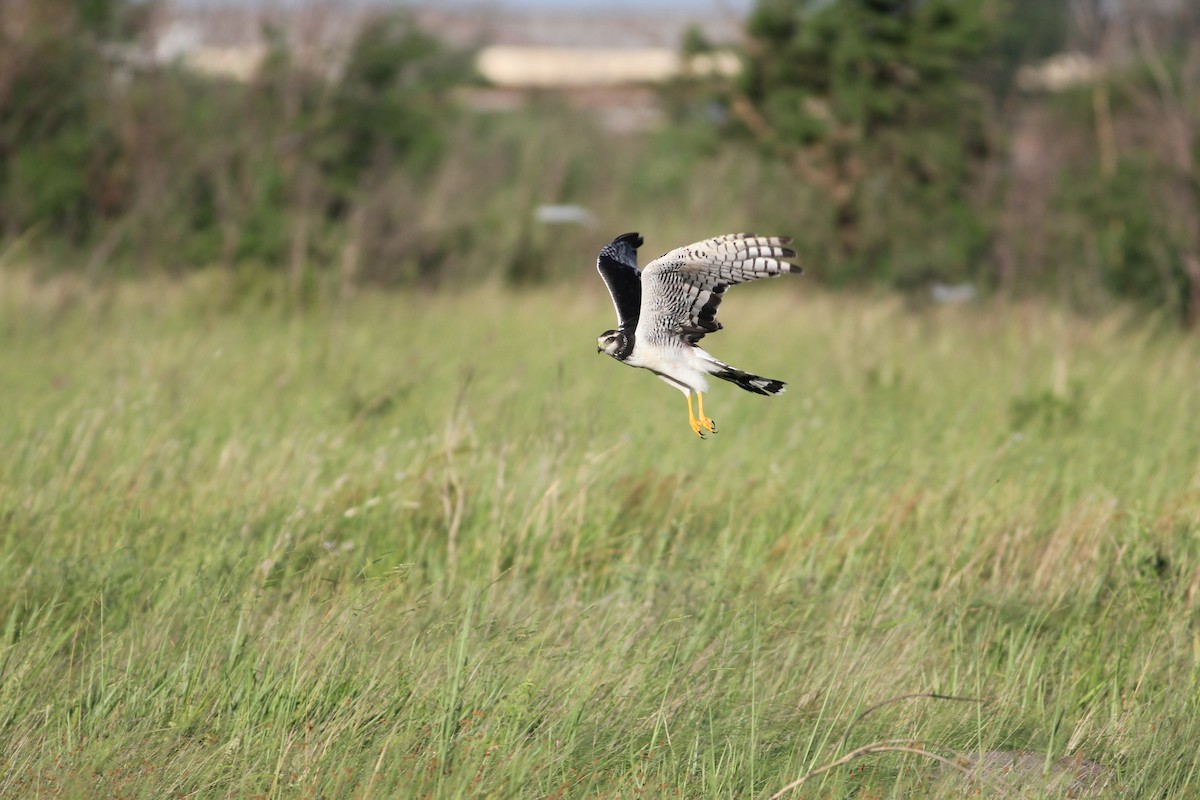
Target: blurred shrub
<point x="883" y="134"/>
<point x="874" y="101"/>
<point x="1122" y="234"/>
<point x="392" y="106"/>
<point x="1047" y="411"/>
<point x="58" y="168"/>
<point x="378" y="140"/>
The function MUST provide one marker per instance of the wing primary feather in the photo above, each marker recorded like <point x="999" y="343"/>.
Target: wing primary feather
<point x="685" y="286"/>
<point x="617" y="265"/>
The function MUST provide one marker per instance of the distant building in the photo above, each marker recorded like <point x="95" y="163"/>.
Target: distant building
<point x="548" y="49"/>
<point x="542" y="67"/>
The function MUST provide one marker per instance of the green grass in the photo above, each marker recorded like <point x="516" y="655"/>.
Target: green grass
<point x="435" y="546"/>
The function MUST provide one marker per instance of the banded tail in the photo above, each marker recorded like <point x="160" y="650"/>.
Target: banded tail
<point x="751" y="383"/>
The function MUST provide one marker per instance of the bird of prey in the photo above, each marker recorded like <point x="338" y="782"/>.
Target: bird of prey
<point x="666" y="309"/>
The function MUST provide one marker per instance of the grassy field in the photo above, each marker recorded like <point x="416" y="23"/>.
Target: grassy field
<point x="435" y="546"/>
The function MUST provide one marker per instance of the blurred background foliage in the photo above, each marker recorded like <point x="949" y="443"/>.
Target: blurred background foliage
<point x="895" y="139"/>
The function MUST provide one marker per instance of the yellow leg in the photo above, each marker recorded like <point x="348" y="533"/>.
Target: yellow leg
<point x="695" y="423"/>
<point x="705" y="421"/>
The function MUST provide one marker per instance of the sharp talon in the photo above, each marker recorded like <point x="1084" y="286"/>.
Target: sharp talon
<point x="700" y="423"/>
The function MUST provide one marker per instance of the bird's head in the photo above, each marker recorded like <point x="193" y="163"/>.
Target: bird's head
<point x="612" y="342"/>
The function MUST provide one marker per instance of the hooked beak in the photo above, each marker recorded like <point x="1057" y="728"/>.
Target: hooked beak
<point x="599" y="349"/>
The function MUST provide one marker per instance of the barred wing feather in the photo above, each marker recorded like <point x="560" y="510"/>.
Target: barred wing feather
<point x="682" y="290"/>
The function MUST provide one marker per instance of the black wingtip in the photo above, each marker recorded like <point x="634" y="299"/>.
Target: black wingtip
<point x="795" y="269"/>
<point x="633" y="239"/>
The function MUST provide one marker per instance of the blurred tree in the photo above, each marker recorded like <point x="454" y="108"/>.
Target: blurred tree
<point x="1172" y="59"/>
<point x="1127" y="203"/>
<point x="383" y="130"/>
<point x="1165" y="94"/>
<point x="59" y="154"/>
<point x="391" y="105"/>
<point x="878" y="103"/>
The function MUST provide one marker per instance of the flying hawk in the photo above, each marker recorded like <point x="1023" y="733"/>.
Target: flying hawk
<point x="666" y="309"/>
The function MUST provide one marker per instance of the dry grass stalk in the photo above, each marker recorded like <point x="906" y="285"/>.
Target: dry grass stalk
<point x="959" y="762"/>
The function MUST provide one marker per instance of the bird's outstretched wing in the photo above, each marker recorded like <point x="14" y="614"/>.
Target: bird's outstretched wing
<point x="682" y="289"/>
<point x="618" y="266"/>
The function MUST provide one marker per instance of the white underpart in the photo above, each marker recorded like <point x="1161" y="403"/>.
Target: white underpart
<point x="682" y="366"/>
